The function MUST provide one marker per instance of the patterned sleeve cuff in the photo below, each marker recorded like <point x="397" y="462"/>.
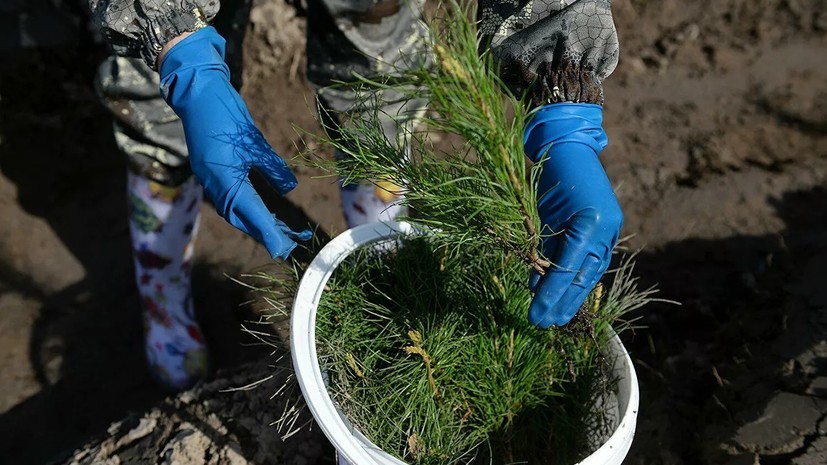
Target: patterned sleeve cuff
<point x="551" y="51"/>
<point x="565" y="82"/>
<point x="141" y="28"/>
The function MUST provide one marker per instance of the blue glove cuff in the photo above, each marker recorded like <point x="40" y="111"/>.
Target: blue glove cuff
<point x="203" y="47"/>
<point x="564" y="122"/>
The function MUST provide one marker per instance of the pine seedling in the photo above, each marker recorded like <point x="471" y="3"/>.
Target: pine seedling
<point x="477" y="193"/>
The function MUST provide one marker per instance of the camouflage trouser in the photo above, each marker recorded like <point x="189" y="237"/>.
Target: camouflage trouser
<point x="342" y="34"/>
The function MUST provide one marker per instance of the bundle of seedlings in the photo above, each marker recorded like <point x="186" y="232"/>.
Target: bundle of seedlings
<point x="429" y="354"/>
<point x="425" y="340"/>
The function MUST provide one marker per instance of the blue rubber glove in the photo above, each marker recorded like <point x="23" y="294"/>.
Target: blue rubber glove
<point x="580" y="214"/>
<point x="223" y="142"/>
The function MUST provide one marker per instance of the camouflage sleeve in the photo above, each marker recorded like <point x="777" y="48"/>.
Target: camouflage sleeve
<point x="551" y="50"/>
<point x="140" y="28"/>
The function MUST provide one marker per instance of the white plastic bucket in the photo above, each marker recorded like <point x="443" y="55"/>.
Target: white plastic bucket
<point x="352" y="445"/>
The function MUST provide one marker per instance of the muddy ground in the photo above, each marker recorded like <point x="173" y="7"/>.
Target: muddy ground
<point x="717" y="117"/>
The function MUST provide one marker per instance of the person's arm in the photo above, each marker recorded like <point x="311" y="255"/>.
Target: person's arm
<point x="224" y="143"/>
<point x="556" y="53"/>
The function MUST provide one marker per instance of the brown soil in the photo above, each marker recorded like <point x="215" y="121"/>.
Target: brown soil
<point x="717" y="117"/>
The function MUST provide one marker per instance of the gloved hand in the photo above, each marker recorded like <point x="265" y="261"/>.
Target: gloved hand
<point x="580" y="214"/>
<point x="223" y="141"/>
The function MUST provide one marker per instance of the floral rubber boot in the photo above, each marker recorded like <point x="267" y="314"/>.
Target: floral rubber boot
<point x="163" y="222"/>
